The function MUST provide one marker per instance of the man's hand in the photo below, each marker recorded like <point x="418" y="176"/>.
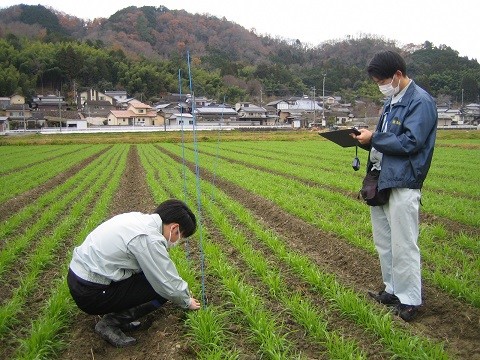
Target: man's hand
<point x="194" y="304"/>
<point x="365" y="136"/>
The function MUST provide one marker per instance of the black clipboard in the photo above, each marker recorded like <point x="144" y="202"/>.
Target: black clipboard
<point x="342" y="137"/>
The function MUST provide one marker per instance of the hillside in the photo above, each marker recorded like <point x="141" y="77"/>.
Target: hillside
<point x="147" y="31"/>
<point x="239" y="56"/>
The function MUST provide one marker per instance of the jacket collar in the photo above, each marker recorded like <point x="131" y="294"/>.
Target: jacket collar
<point x="405" y="98"/>
<point x="158" y="222"/>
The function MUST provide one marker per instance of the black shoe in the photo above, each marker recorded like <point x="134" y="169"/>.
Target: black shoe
<point x="385" y="298"/>
<point x="146" y="323"/>
<point x="406" y="312"/>
<point x="109" y="329"/>
<point x="112" y="325"/>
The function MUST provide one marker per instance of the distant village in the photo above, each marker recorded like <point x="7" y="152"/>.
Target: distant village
<point x="115" y="110"/>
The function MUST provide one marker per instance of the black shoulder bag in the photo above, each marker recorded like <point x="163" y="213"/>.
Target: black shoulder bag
<point x="369" y="191"/>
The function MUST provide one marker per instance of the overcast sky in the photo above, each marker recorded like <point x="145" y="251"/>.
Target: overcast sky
<point x="454" y="24"/>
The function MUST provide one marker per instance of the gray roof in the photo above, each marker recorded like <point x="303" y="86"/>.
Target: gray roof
<point x="215" y="111"/>
<point x="253" y="108"/>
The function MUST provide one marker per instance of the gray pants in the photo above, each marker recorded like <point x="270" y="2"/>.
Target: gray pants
<point x="395" y="234"/>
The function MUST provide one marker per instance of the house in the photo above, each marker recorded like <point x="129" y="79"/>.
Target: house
<point x="200" y="101"/>
<point x="3" y="124"/>
<point x="471" y="114"/>
<point x="303" y="104"/>
<point x="215" y="113"/>
<point x="4" y="102"/>
<point x="332" y="100"/>
<point x="93" y="95"/>
<point x="49" y="102"/>
<point x="278" y="105"/>
<point x="249" y="111"/>
<point x="136" y="114"/>
<point x="79" y="124"/>
<point x="118" y="95"/>
<point x="123" y="104"/>
<point x="448" y="117"/>
<point x="95" y="105"/>
<point x="67" y="123"/>
<point x="18" y="112"/>
<point x="181" y="119"/>
<point x="341" y="114"/>
<point x="167" y="109"/>
<point x="97" y="108"/>
<point x="17" y="100"/>
<point x="173" y="98"/>
<point x="18" y="116"/>
<point x="296" y="108"/>
<point x="12" y="100"/>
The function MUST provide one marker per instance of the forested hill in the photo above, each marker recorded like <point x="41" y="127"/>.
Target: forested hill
<point x="157" y="32"/>
<point x="237" y="55"/>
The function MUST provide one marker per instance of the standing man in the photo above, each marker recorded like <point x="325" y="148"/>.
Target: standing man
<point x="123" y="270"/>
<point x="401" y="148"/>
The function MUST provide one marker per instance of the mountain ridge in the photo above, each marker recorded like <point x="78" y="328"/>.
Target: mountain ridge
<point x="239" y="56"/>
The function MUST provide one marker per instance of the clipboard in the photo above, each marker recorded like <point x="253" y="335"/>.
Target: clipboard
<point x="342" y="137"/>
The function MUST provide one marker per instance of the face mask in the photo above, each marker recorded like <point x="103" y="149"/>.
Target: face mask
<point x="388" y="89"/>
<point x="171" y="244"/>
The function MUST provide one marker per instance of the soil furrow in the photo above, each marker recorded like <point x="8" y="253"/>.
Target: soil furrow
<point x="164" y="340"/>
<point x="12" y="206"/>
<point x="442" y="317"/>
<point x="453" y="227"/>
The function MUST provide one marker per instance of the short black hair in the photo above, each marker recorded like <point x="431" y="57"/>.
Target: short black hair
<point x="176" y="211"/>
<point x="385" y="64"/>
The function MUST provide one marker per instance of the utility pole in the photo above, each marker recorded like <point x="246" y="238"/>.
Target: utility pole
<point x="24" y="119"/>
<point x="314" y="106"/>
<point x="60" y="110"/>
<point x="74" y="92"/>
<point x="324" y="123"/>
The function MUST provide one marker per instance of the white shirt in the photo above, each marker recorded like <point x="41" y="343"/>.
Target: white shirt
<point x="128" y="244"/>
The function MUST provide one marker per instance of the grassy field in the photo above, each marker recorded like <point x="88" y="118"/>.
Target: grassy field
<point x="282" y="260"/>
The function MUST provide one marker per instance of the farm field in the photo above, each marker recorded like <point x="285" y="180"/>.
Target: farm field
<point x="282" y="261"/>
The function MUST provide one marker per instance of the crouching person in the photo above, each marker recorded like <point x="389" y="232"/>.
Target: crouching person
<point x="123" y="271"/>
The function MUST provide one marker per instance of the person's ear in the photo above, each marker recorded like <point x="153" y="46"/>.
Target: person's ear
<point x="175" y="227"/>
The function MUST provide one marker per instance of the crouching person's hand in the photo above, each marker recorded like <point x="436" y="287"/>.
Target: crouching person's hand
<point x="194" y="304"/>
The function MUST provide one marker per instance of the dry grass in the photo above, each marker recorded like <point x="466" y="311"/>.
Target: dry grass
<point x="204" y="136"/>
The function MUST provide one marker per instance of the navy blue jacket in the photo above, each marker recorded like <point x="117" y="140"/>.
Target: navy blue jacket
<point x="407" y="145"/>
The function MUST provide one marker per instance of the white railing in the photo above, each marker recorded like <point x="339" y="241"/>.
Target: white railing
<point x="117" y="129"/>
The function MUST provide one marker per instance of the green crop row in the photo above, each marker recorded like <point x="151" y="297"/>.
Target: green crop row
<point x="346" y="217"/>
<point x="18" y="182"/>
<point x="34" y="155"/>
<point x="42" y="338"/>
<point x="348" y="303"/>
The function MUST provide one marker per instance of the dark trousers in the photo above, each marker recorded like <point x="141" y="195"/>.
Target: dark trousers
<point x="98" y="299"/>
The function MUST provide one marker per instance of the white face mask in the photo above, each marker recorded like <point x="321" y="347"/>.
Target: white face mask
<point x="171" y="244"/>
<point x="388" y="89"/>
